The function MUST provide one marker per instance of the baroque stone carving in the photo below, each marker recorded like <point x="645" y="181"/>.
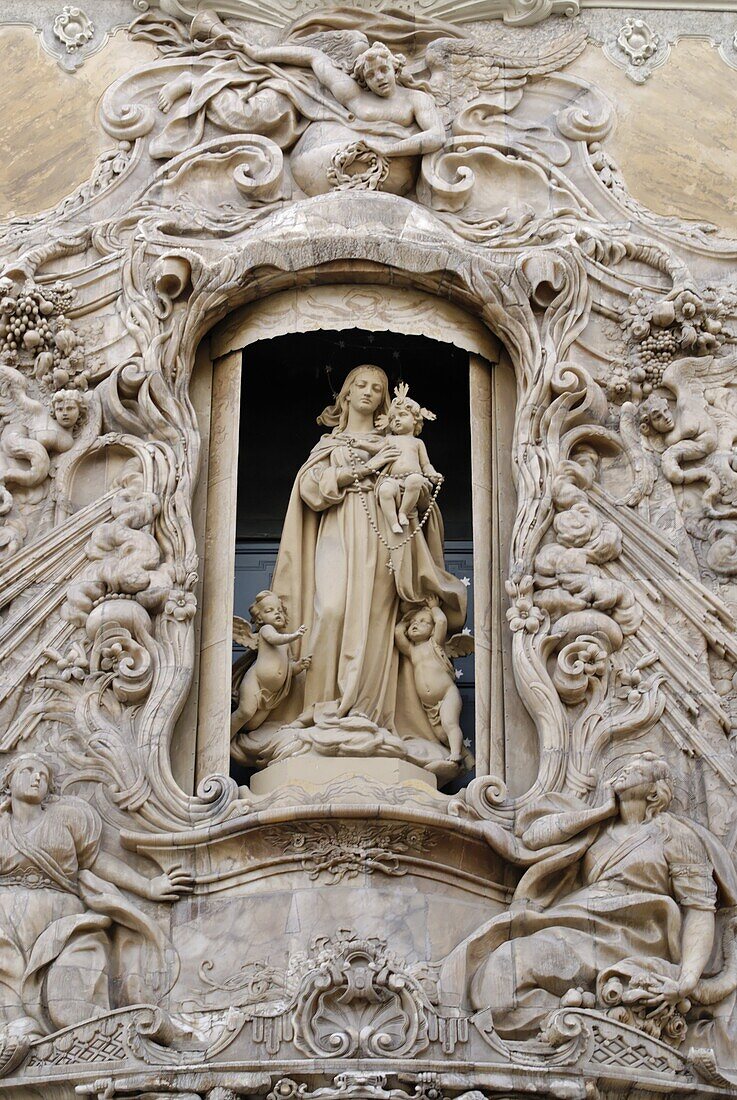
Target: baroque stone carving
<point x="56" y="956"/>
<point x="542" y="954"/>
<point x="73" y="27"/>
<point x="345" y="851"/>
<point x="643" y="42"/>
<point x="479" y="173"/>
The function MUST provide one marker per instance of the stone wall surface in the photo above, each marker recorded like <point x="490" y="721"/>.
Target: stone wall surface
<point x="297" y="876"/>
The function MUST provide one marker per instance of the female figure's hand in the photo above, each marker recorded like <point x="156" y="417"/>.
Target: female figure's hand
<point x="387" y="454"/>
<point x="171" y="885"/>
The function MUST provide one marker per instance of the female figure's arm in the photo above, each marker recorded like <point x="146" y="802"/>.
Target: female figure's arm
<point x="697" y="940"/>
<point x="344" y="87"/>
<point x="694" y="888"/>
<point x="167" y="887"/>
<point x="325" y="482"/>
<point x="561" y="827"/>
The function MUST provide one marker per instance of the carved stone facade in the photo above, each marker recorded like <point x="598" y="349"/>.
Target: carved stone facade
<point x="377" y="909"/>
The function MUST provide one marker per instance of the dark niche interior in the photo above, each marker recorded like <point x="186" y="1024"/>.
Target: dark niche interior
<point x="286" y="383"/>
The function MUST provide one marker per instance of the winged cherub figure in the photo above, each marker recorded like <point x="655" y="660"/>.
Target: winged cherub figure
<point x="351" y="97"/>
<point x="269" y="663"/>
<point x="420" y="636"/>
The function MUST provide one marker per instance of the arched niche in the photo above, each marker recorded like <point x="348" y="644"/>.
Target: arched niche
<point x="505" y="738"/>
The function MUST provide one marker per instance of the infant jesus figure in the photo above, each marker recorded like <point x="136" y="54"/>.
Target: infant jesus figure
<point x="403" y="481"/>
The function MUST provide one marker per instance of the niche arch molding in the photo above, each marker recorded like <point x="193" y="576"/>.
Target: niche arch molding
<point x="375" y="239"/>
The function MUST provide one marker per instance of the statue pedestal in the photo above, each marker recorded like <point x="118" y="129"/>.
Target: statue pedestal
<point x="313" y="770"/>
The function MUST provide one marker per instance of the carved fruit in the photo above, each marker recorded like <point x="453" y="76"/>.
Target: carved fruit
<point x="31" y="339"/>
<point x="65" y="340"/>
<point x="44" y="363"/>
<point x="664" y="314"/>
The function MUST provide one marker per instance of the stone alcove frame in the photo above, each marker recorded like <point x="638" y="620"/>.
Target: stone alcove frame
<point x="216" y="394"/>
<point x="158" y="283"/>
<point x="370" y="250"/>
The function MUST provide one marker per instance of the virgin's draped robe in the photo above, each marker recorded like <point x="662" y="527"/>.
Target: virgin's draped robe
<point x="332" y="574"/>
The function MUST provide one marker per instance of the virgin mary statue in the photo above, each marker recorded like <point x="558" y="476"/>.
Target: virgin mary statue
<point x="343" y="574"/>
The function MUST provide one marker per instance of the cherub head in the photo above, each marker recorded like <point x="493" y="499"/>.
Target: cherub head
<point x="268" y="610"/>
<point x="67" y="407"/>
<point x="654" y="414"/>
<point x="405" y="416"/>
<point x="378" y="69"/>
<point x="420" y="625"/>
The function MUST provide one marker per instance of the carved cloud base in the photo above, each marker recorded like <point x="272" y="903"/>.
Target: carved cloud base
<point x="350" y="737"/>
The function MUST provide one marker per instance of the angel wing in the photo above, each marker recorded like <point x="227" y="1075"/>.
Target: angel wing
<point x="460" y="645"/>
<point x="700" y="372"/>
<point x="342" y="47"/>
<point x="243" y="634"/>
<point x="16" y="404"/>
<point x="643" y="465"/>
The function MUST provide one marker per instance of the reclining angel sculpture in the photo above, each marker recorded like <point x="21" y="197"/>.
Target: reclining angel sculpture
<point x="354" y="118"/>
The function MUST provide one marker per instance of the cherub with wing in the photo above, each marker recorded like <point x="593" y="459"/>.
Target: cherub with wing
<point x="263" y="677"/>
<point x="30" y="435"/>
<point x="701" y="429"/>
<point x="354" y="99"/>
<point x="420" y="636"/>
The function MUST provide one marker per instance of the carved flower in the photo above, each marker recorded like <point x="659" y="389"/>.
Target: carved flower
<point x="576" y="526"/>
<point x="523" y="615"/>
<point x="579" y="664"/>
<point x="74" y="665"/>
<point x="675" y="1029"/>
<point x="591" y="659"/>
<point x="180" y="605"/>
<point x="640" y="329"/>
<point x="688" y="306"/>
<point x="618" y="386"/>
